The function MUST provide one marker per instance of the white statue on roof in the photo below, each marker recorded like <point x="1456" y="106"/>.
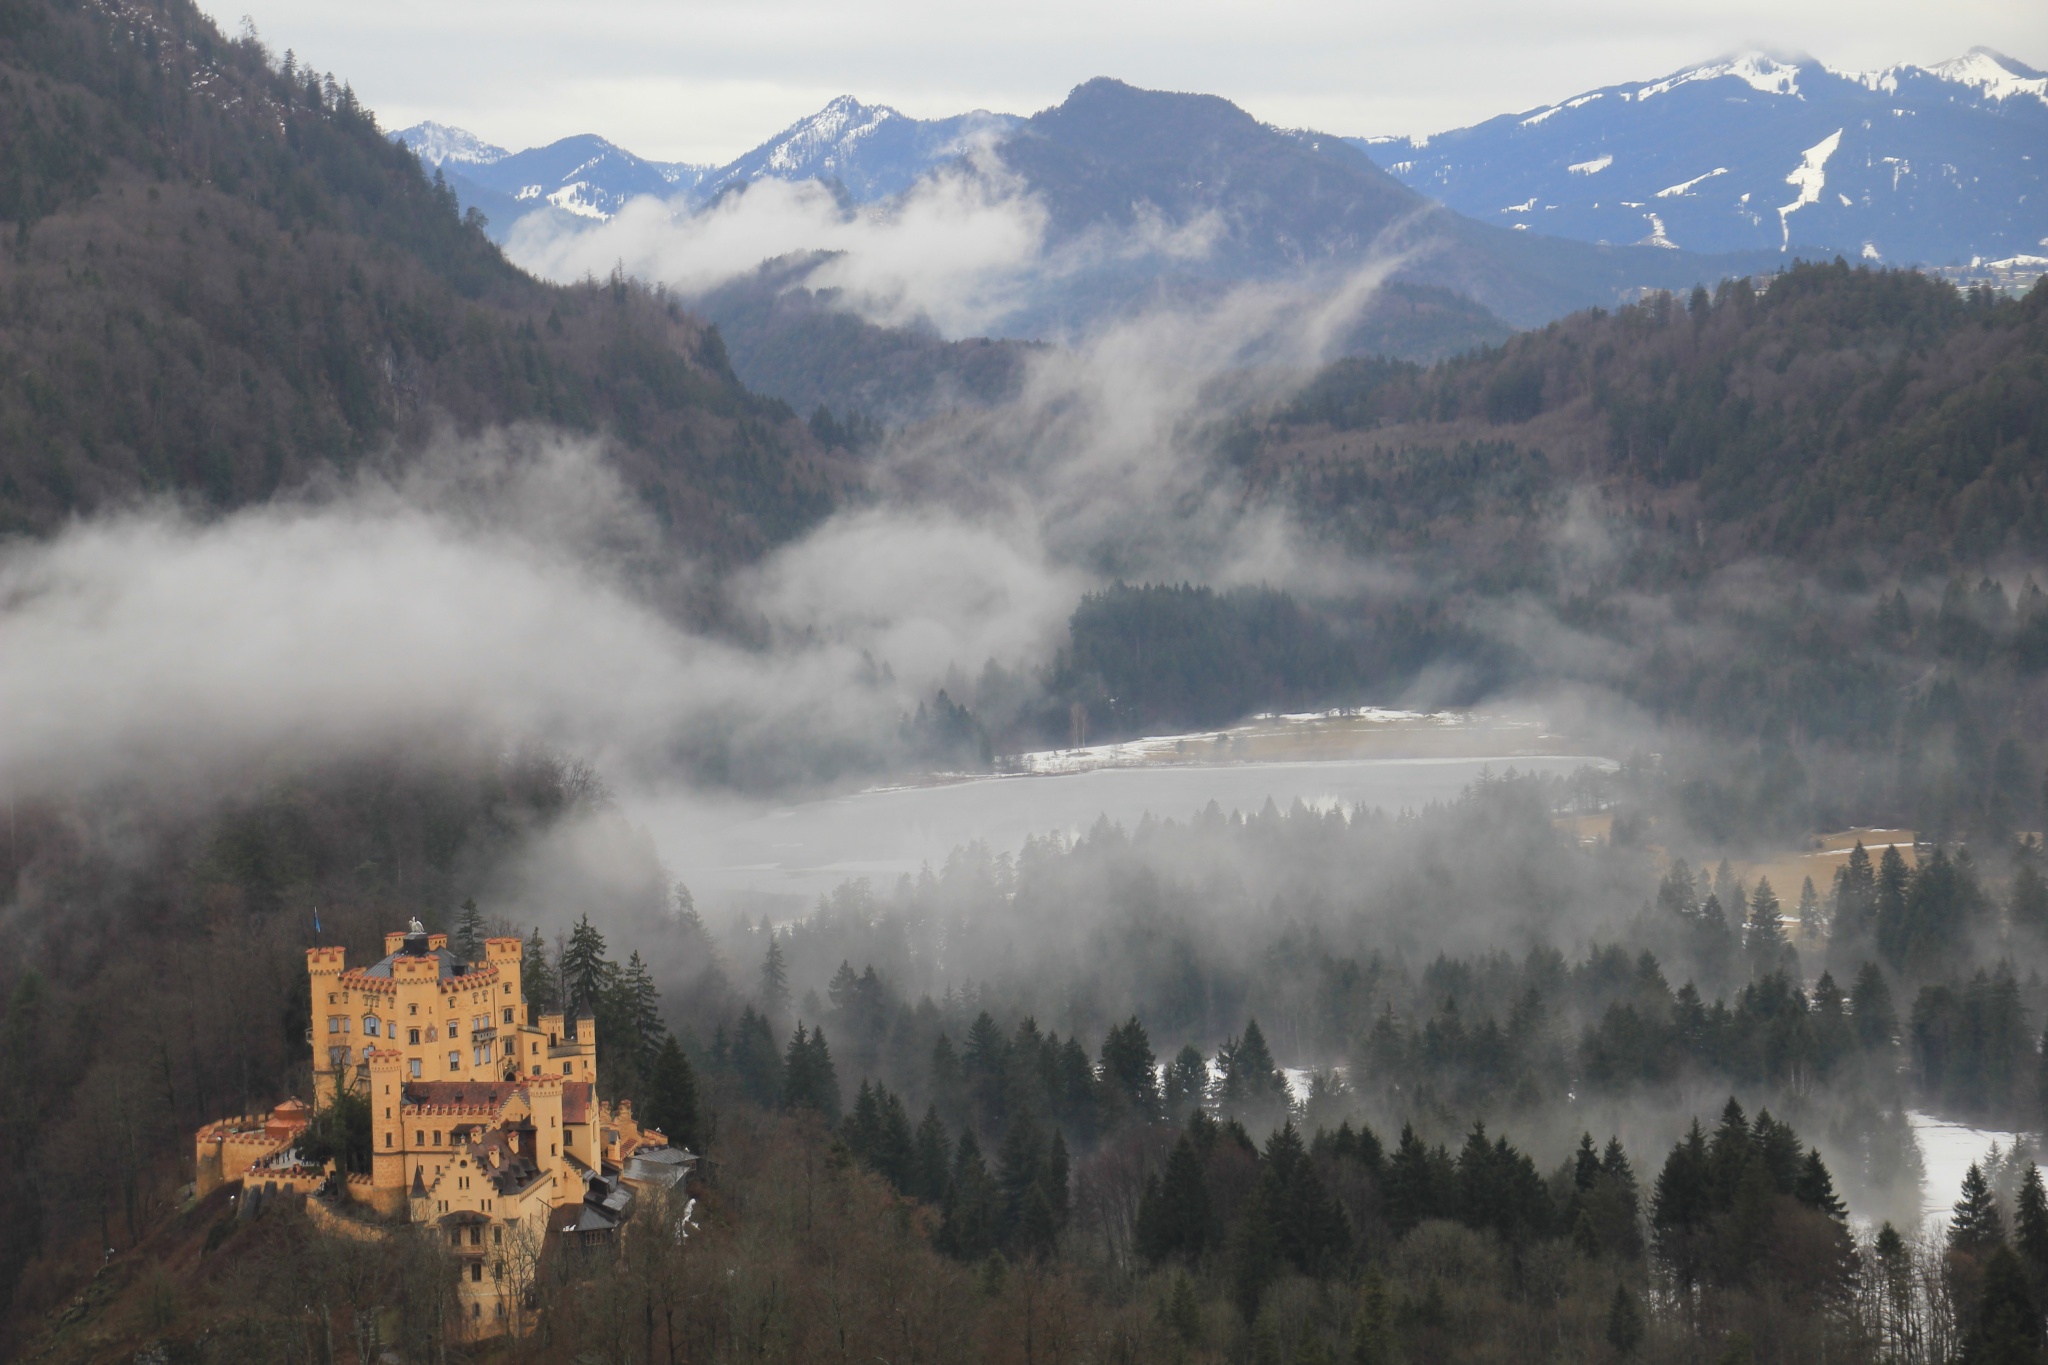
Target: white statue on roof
<point x="416" y="926"/>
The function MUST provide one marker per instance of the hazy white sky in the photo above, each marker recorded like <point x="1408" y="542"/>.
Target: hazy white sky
<point x="702" y="80"/>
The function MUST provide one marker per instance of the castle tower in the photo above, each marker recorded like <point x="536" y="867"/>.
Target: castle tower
<point x="544" y="1097"/>
<point x="508" y="1004"/>
<point x="387" y="1126"/>
<point x="333" y="1032"/>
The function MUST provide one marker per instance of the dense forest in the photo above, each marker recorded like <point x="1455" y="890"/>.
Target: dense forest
<point x="1268" y="1086"/>
<point x="221" y="280"/>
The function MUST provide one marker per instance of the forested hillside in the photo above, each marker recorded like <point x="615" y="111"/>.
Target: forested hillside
<point x="1847" y="417"/>
<point x="220" y="279"/>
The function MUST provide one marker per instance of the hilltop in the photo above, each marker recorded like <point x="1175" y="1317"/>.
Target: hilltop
<point x="222" y="279"/>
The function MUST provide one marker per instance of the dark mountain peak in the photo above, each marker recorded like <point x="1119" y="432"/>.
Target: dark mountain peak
<point x="1117" y="119"/>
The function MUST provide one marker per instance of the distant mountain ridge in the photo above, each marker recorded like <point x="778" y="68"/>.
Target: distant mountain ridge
<point x="1928" y="165"/>
<point x="870" y="150"/>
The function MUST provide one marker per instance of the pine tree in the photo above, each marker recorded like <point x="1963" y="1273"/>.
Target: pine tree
<point x="1624" y="1322"/>
<point x="2008" y="1326"/>
<point x="1681" y="1206"/>
<point x="2029" y="900"/>
<point x="1811" y="925"/>
<point x="1977" y="1226"/>
<point x="672" y="1094"/>
<point x="967" y="1228"/>
<point x="1175" y="1217"/>
<point x="895" y="1146"/>
<point x="1372" y="1327"/>
<point x="1183" y="1311"/>
<point x="1816" y="1188"/>
<point x="1187" y="1082"/>
<point x="1411" y="1192"/>
<point x="1057" y="1180"/>
<point x="1130" y="1068"/>
<point x="536" y="982"/>
<point x="774" y="980"/>
<point x="2030" y="1224"/>
<point x="756" y="1060"/>
<point x="586" y="974"/>
<point x="1870" y="1005"/>
<point x="468" y="938"/>
<point x="932" y="1158"/>
<point x="949" y="1082"/>
<point x="641" y="1007"/>
<point x="1251" y="1078"/>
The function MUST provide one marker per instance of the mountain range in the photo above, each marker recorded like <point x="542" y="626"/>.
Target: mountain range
<point x="1938" y="165"/>
<point x="1933" y="165"/>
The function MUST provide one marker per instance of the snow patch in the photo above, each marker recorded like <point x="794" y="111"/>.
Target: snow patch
<point x="437" y="144"/>
<point x="1810" y="178"/>
<point x="1657" y="237"/>
<point x="1522" y="207"/>
<point x="1765" y="74"/>
<point x="1993" y="75"/>
<point x="1685" y="186"/>
<point x="1871" y="253"/>
<point x="575" y="198"/>
<point x="1593" y="167"/>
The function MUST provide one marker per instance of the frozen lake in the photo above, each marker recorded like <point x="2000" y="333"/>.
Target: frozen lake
<point x="729" y="850"/>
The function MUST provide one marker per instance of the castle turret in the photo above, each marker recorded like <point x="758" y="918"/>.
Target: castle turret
<point x="387" y="1126"/>
<point x="544" y="1097"/>
<point x="508" y="1002"/>
<point x="333" y="1033"/>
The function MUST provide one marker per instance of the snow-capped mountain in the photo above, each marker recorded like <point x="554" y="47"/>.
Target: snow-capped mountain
<point x="871" y="149"/>
<point x="583" y="176"/>
<point x="1936" y="164"/>
<point x="437" y="144"/>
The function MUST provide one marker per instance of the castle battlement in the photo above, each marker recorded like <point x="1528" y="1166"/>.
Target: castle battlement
<point x="432" y="1064"/>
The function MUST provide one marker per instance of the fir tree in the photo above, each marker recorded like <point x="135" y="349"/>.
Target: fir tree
<point x="2007" y="1330"/>
<point x="933" y="1156"/>
<point x="949" y="1082"/>
<point x="1870" y="1005"/>
<point x="1815" y="1188"/>
<point x="2030" y="1224"/>
<point x="1175" y="1218"/>
<point x="774" y="980"/>
<point x="1130" y="1068"/>
<point x="1187" y="1082"/>
<point x="536" y="982"/>
<point x="967" y="1228"/>
<point x="1412" y="1192"/>
<point x="1682" y="1205"/>
<point x="468" y="938"/>
<point x="672" y="1094"/>
<point x="1811" y="925"/>
<point x="1977" y="1226"/>
<point x="586" y="974"/>
<point x="1250" y="1075"/>
<point x="641" y="1008"/>
<point x="1372" y="1327"/>
<point x="1624" y="1322"/>
<point x="2029" y="900"/>
<point x="809" y="1080"/>
<point x="756" y="1060"/>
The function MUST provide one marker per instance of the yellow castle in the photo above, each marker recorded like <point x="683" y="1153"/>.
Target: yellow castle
<point x="485" y="1117"/>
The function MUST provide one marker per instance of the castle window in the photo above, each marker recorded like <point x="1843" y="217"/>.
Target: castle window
<point x="367" y="1050"/>
<point x="415" y="1009"/>
<point x="455" y="1061"/>
<point x="419" y="1137"/>
<point x="412" y="1036"/>
<point x="390" y="1138"/>
<point x="476" y="1272"/>
<point x="415" y="1068"/>
<point x="454" y="1027"/>
<point x="508" y="1014"/>
<point x="334" y="1023"/>
<point x="455" y="1237"/>
<point x="498" y="1238"/>
<point x="476" y="1236"/>
<point x="371" y="1025"/>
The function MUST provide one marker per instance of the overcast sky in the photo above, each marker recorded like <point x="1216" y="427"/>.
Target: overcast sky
<point x="695" y="81"/>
